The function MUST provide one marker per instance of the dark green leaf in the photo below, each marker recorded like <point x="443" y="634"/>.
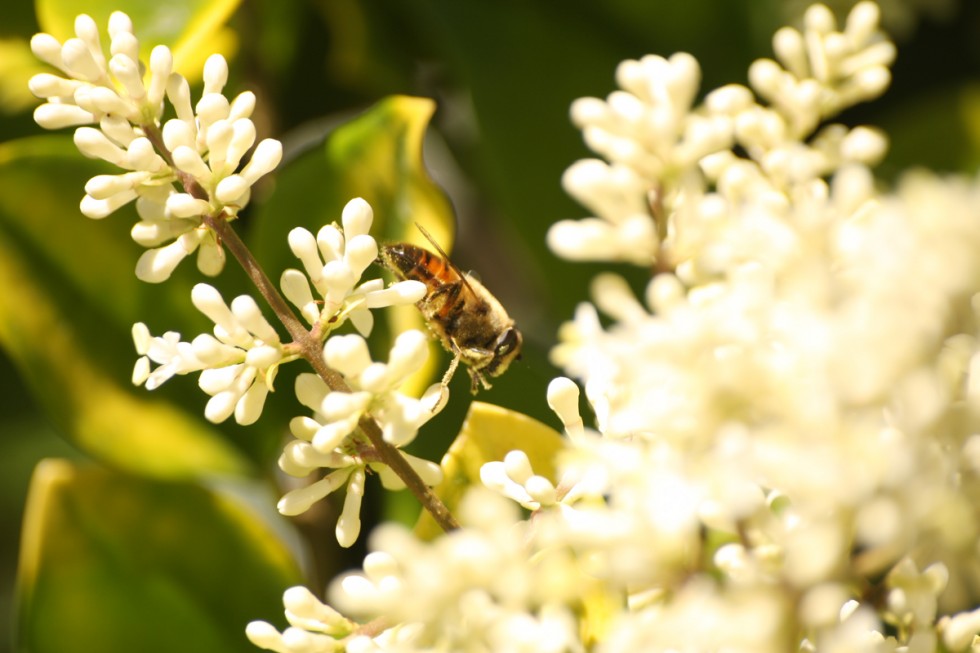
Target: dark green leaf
<point x="111" y="562"/>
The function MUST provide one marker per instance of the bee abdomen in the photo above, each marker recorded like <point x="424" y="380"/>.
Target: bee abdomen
<point x="412" y="263"/>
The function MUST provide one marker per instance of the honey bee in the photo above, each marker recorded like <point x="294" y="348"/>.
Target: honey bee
<point x="469" y="321"/>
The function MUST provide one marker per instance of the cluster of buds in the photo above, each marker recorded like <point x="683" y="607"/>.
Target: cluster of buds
<point x="674" y="170"/>
<point x="326" y="439"/>
<point x="200" y="150"/>
<point x="239" y="363"/>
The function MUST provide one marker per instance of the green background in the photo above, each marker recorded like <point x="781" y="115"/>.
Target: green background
<point x="502" y="75"/>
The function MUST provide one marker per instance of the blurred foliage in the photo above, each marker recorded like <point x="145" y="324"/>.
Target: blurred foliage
<point x="80" y="303"/>
<point x="502" y="76"/>
<point x="193" y="29"/>
<point x="109" y="558"/>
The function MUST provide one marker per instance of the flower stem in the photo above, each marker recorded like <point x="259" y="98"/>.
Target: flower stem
<point x="312" y="350"/>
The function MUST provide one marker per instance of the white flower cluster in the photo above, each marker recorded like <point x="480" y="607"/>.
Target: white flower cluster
<point x="239" y="363"/>
<point x="201" y="147"/>
<point x="325" y="439"/>
<point x="479" y="588"/>
<point x="313" y="626"/>
<point x="899" y="17"/>
<point x="670" y="174"/>
<point x="786" y="454"/>
<point x="797" y="377"/>
<point x="333" y="262"/>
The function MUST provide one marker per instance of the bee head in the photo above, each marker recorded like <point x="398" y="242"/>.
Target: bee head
<point x="397" y="258"/>
<point x="506" y="349"/>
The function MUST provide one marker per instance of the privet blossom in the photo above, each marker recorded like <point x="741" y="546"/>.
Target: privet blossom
<point x="239" y="363"/>
<point x="324" y="440"/>
<point x="182" y="173"/>
<point x="121" y="120"/>
<point x="785" y="453"/>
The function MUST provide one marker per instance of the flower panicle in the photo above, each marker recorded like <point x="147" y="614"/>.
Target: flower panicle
<point x="178" y="170"/>
<point x="667" y="161"/>
<point x="486" y="583"/>
<point x="237" y="364"/>
<point x="329" y="439"/>
<point x="333" y="263"/>
<point x="785" y="454"/>
<point x="514" y="476"/>
<point x="239" y="361"/>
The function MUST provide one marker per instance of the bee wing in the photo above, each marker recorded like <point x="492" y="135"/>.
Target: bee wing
<point x="446" y="258"/>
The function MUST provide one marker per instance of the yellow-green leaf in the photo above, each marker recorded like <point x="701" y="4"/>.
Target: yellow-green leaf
<point x="17" y="65"/>
<point x="69" y="298"/>
<point x="193" y="29"/>
<point x="489" y="433"/>
<point x="378" y="156"/>
<point x="111" y="562"/>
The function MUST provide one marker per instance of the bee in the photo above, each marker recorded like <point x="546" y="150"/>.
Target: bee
<point x="469" y="321"/>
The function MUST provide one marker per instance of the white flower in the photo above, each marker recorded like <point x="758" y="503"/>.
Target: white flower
<point x="647" y="132"/>
<point x="477" y="588"/>
<point x="314" y="627"/>
<point x="458" y="587"/>
<point x="664" y="156"/>
<point x="824" y="70"/>
<point x="702" y="616"/>
<point x="912" y="599"/>
<point x="238" y="364"/>
<point x="961" y="631"/>
<point x="326" y="439"/>
<point x="94" y="87"/>
<point x="334" y="261"/>
<point x="514" y="478"/>
<point x="772" y="380"/>
<point x="203" y="146"/>
<point x="170" y="354"/>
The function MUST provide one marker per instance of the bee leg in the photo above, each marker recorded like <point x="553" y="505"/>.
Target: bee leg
<point x="451" y="288"/>
<point x="477" y="379"/>
<point x="448" y="376"/>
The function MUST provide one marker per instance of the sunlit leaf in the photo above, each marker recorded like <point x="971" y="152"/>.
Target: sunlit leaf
<point x="111" y="562"/>
<point x="193" y="29"/>
<point x="17" y="65"/>
<point x="377" y="156"/>
<point x="489" y="433"/>
<point x="69" y="299"/>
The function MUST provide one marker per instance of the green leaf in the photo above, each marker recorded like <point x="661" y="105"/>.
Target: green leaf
<point x="193" y="29"/>
<point x="376" y="156"/>
<point x="111" y="562"/>
<point x="69" y="299"/>
<point x="17" y="65"/>
<point x="489" y="433"/>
